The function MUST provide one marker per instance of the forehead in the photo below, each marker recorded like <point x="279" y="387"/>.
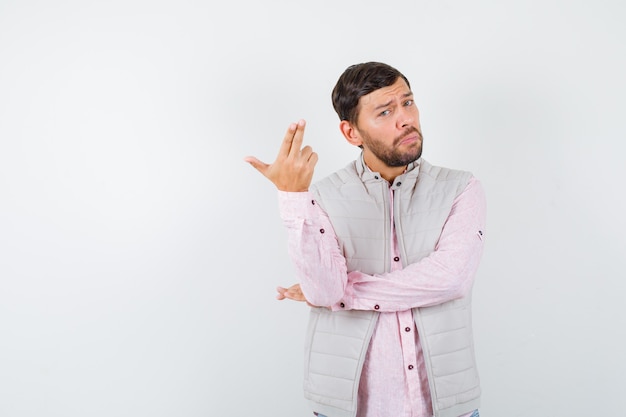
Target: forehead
<point x="397" y="90"/>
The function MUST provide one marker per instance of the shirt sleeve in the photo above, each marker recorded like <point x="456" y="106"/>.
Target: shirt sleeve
<point x="446" y="274"/>
<point x="313" y="248"/>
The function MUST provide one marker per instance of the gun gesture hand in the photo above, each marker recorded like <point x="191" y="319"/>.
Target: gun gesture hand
<point x="294" y="165"/>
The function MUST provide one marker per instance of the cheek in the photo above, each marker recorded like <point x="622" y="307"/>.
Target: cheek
<point x="381" y="125"/>
<point x="417" y="118"/>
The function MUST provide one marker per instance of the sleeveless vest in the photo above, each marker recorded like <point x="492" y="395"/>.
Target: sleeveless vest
<point x="357" y="203"/>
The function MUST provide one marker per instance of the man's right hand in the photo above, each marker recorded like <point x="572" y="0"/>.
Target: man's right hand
<point x="293" y="168"/>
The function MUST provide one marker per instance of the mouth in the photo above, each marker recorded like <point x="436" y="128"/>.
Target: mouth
<point x="409" y="139"/>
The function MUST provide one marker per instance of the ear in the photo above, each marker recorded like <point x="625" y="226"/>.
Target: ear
<point x="350" y="133"/>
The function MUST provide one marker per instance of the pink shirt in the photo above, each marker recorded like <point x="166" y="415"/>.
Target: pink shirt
<point x="394" y="380"/>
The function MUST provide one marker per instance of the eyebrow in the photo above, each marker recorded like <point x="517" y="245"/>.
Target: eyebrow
<point x="405" y="95"/>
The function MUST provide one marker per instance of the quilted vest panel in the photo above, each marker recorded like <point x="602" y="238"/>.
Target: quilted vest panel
<point x="357" y="203"/>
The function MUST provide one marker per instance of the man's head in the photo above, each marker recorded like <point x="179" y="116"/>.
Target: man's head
<point x="359" y="80"/>
<point x="375" y="105"/>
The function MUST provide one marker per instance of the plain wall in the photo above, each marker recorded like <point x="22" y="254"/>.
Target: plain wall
<point x="139" y="254"/>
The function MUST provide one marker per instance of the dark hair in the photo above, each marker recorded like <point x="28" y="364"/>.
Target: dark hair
<point x="359" y="80"/>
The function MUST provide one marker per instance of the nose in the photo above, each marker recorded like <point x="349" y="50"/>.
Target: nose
<point x="406" y="117"/>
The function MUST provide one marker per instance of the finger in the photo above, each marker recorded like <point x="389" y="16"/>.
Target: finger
<point x="298" y="137"/>
<point x="295" y="295"/>
<point x="285" y="147"/>
<point x="259" y="165"/>
<point x="308" y="161"/>
<point x="295" y="288"/>
<point x="306" y="152"/>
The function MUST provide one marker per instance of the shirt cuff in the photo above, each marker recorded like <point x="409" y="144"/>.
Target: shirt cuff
<point x="347" y="301"/>
<point x="297" y="205"/>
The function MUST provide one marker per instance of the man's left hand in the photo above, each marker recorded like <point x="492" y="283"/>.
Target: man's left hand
<point x="292" y="293"/>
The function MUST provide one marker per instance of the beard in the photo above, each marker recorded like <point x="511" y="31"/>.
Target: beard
<point x="392" y="156"/>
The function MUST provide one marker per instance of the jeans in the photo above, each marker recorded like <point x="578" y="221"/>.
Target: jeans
<point x="474" y="414"/>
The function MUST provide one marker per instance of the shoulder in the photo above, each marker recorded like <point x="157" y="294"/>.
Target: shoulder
<point x="337" y="179"/>
<point x="440" y="173"/>
<point x="441" y="178"/>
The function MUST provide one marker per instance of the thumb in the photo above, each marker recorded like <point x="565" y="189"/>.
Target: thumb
<point x="258" y="165"/>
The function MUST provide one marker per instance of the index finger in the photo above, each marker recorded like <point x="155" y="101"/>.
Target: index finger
<point x="285" y="146"/>
<point x="298" y="136"/>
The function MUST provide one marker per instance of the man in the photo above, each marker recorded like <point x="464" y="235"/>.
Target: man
<point x="386" y="251"/>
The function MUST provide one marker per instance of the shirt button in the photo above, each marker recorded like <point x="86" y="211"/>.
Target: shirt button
<point x="407" y="329"/>
<point x="376" y="176"/>
<point x="322" y="230"/>
<point x="313" y="202"/>
<point x="342" y="305"/>
<point x="376" y="307"/>
<point x="398" y="184"/>
<point x="396" y="259"/>
<point x="410" y="367"/>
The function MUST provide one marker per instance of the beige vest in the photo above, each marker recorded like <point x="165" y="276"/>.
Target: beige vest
<point x="357" y="202"/>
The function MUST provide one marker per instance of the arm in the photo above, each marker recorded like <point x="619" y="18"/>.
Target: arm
<point x="314" y="250"/>
<point x="446" y="274"/>
<point x="320" y="266"/>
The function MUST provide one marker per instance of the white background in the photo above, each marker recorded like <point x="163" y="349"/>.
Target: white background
<point x="139" y="253"/>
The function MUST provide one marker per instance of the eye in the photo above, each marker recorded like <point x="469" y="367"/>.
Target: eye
<point x="384" y="112"/>
<point x="408" y="103"/>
